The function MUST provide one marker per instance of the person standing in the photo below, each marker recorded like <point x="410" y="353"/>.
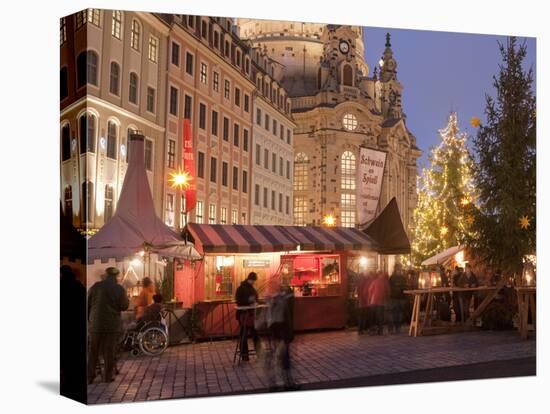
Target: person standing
<point x="363" y="302"/>
<point x="378" y="294"/>
<point x="246" y="295"/>
<point x="145" y="297"/>
<point x="469" y="280"/>
<point x="398" y="284"/>
<point x="106" y="300"/>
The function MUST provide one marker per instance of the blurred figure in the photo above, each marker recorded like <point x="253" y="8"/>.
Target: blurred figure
<point x="378" y="293"/>
<point x="106" y="300"/>
<point x="281" y="330"/>
<point x="145" y="297"/>
<point x="398" y="284"/>
<point x="363" y="302"/>
<point x="458" y="297"/>
<point x="246" y="295"/>
<point x="470" y="281"/>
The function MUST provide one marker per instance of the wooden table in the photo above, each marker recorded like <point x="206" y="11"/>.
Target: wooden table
<point x="526" y="303"/>
<point x="417" y="326"/>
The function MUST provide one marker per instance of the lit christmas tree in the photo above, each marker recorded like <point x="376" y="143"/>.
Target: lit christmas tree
<point x="443" y="215"/>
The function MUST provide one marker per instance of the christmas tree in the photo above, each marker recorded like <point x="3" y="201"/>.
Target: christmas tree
<point x="445" y="195"/>
<point x="505" y="176"/>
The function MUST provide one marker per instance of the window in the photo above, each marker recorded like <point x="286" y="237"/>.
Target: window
<point x="199" y="211"/>
<point x="266" y="125"/>
<point x="347" y="212"/>
<point x="81" y="18"/>
<point x="300" y="210"/>
<point x="288" y="136"/>
<point x="257" y="194"/>
<point x="93" y="17"/>
<point x="243" y="218"/>
<point x="88" y="16"/>
<point x="148" y="155"/>
<point x="65" y="143"/>
<point x="190" y="21"/>
<point x="236" y="134"/>
<point x="259" y="116"/>
<point x="347" y="75"/>
<point x="282" y="132"/>
<point x="226" y="90"/>
<point x="225" y="129"/>
<point x="204" y="29"/>
<point x="266" y="158"/>
<point x="245" y="140"/>
<point x="189" y="63"/>
<point x="68" y="199"/>
<point x="281" y="164"/>
<point x="224" y="173"/>
<point x="348" y="171"/>
<point x="216" y="81"/>
<point x="92" y="68"/>
<point x="288" y="170"/>
<point x="151" y="99"/>
<point x="275" y="127"/>
<point x="114" y="80"/>
<point x="133" y="91"/>
<point x="258" y="154"/>
<point x="116" y="24"/>
<point x="202" y="116"/>
<point x="188" y="107"/>
<point x="216" y="40"/>
<point x="246" y="103"/>
<point x="130" y="132"/>
<point x="153" y="49"/>
<point x="63" y="83"/>
<point x="213" y="169"/>
<point x="171" y="153"/>
<point x="200" y="165"/>
<point x="173" y="101"/>
<point x="245" y="182"/>
<point x="111" y="140"/>
<point x="87" y="133"/>
<point x="212" y="213"/>
<point x="223" y="215"/>
<point x="237" y="97"/>
<point x="135" y="35"/>
<point x="265" y="197"/>
<point x="274" y="163"/>
<point x="350" y="122"/>
<point x="235" y="178"/>
<point x="234" y="216"/>
<point x="183" y="208"/>
<point x="272" y="199"/>
<point x="175" y="54"/>
<point x="215" y="123"/>
<point x="280" y="202"/>
<point x="301" y="165"/>
<point x="204" y="73"/>
<point x="170" y="210"/>
<point x="108" y="204"/>
<point x="287" y="205"/>
<point x="87" y="68"/>
<point x="62" y="31"/>
<point x="226" y="48"/>
<point x="87" y="201"/>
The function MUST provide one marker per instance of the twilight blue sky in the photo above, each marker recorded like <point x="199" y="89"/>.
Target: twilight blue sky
<point x="440" y="72"/>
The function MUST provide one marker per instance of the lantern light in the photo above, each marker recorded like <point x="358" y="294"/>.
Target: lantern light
<point x="329" y="220"/>
<point x="180" y="179"/>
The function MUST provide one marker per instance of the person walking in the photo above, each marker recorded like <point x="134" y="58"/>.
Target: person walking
<point x="398" y="284"/>
<point x="363" y="302"/>
<point x="106" y="300"/>
<point x="378" y="294"/>
<point x="245" y="296"/>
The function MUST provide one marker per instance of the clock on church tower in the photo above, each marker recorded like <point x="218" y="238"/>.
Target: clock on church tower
<point x="344" y="47"/>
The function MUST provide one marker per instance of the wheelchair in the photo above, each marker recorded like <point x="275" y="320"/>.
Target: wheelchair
<point x="146" y="337"/>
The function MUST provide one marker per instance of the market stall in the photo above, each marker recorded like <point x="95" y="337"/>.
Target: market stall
<point x="314" y="260"/>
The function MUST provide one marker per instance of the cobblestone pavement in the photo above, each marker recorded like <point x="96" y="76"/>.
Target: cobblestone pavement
<point x="206" y="368"/>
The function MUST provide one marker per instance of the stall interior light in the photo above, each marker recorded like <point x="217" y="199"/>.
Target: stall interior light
<point x="363" y="261"/>
<point x="135" y="262"/>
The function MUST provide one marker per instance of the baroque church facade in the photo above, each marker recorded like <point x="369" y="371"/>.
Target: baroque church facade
<point x="338" y="107"/>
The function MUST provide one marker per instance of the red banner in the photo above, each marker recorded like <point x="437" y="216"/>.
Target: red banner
<point x="189" y="166"/>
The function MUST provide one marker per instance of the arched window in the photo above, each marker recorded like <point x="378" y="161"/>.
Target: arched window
<point x="87" y="133"/>
<point x="63" y="83"/>
<point x="87" y="202"/>
<point x="108" y="210"/>
<point x="92" y="68"/>
<point x="135" y="35"/>
<point x="301" y="166"/>
<point x="114" y="79"/>
<point x="133" y="92"/>
<point x="86" y="66"/>
<point x="68" y="202"/>
<point x="111" y="140"/>
<point x="347" y="75"/>
<point x="348" y="171"/>
<point x="65" y="143"/>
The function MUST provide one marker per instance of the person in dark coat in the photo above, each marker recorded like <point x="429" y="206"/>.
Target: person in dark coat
<point x="469" y="279"/>
<point x="246" y="295"/>
<point x="106" y="300"/>
<point x="398" y="284"/>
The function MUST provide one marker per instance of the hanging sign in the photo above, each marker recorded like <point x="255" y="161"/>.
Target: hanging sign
<point x="371" y="173"/>
<point x="189" y="166"/>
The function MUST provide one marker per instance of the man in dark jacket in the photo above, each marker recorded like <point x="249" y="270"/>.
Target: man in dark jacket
<point x="398" y="283"/>
<point x="246" y="295"/>
<point x="106" y="299"/>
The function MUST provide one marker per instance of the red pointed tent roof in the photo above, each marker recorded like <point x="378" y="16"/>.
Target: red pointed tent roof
<point x="135" y="223"/>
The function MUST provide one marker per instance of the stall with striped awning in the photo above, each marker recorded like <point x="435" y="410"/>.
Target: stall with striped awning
<point x="220" y="238"/>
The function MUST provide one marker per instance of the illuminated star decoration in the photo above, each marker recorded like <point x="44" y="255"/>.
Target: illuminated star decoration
<point x="465" y="201"/>
<point x="329" y="220"/>
<point x="524" y="222"/>
<point x="475" y="122"/>
<point x="444" y="230"/>
<point x="180" y="179"/>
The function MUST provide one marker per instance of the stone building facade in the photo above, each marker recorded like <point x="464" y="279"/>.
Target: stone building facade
<point x="112" y="81"/>
<point x="338" y="106"/>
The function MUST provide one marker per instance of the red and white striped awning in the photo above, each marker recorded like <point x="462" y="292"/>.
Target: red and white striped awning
<point x="221" y="238"/>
